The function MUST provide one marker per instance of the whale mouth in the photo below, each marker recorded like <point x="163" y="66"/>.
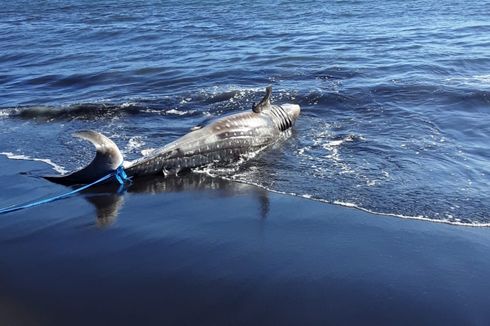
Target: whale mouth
<point x="292" y="110"/>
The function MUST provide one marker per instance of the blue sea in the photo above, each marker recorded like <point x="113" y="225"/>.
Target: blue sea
<point x="395" y="95"/>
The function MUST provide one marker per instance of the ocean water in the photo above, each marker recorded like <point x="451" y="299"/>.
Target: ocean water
<point x="395" y="95"/>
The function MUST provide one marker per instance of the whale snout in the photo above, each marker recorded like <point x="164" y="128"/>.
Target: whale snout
<point x="292" y="110"/>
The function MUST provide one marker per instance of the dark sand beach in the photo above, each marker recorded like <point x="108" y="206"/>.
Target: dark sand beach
<point x="203" y="251"/>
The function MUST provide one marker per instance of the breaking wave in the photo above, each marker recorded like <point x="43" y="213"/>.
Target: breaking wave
<point x="58" y="168"/>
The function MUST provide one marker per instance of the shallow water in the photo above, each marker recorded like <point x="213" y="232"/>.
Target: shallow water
<point x="395" y="96"/>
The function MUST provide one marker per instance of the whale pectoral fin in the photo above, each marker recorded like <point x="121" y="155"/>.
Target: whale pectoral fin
<point x="107" y="159"/>
<point x="265" y="103"/>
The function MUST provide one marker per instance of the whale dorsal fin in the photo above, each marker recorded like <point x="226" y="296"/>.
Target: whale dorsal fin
<point x="265" y="103"/>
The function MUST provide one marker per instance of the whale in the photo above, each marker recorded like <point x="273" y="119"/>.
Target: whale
<point x="223" y="141"/>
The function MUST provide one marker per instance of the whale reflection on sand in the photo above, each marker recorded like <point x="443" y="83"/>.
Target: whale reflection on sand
<point x="109" y="199"/>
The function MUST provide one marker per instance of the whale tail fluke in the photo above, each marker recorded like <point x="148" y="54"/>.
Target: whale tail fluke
<point x="107" y="159"/>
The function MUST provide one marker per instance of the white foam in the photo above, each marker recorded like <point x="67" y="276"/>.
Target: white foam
<point x="151" y="111"/>
<point x="170" y="112"/>
<point x="371" y="183"/>
<point x="331" y="149"/>
<point x="335" y="142"/>
<point x="127" y="104"/>
<point x="56" y="167"/>
<point x="177" y="112"/>
<point x="135" y="142"/>
<point x="471" y="80"/>
<point x="453" y="221"/>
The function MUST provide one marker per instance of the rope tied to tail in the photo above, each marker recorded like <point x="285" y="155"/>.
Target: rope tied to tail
<point x="118" y="173"/>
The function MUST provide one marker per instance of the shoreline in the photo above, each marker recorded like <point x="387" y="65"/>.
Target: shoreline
<point x="348" y="205"/>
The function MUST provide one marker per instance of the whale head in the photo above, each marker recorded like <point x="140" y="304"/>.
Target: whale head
<point x="292" y="110"/>
<point x="284" y="116"/>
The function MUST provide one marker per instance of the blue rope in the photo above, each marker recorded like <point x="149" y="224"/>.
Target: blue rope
<point x="119" y="173"/>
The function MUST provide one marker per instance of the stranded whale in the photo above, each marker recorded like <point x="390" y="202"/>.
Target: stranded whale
<point x="225" y="140"/>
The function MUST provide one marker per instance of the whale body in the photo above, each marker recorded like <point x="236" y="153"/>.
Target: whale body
<point x="223" y="141"/>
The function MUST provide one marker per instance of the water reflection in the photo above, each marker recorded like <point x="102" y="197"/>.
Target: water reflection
<point x="109" y="199"/>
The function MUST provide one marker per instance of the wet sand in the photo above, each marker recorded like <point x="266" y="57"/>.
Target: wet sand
<point x="202" y="251"/>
